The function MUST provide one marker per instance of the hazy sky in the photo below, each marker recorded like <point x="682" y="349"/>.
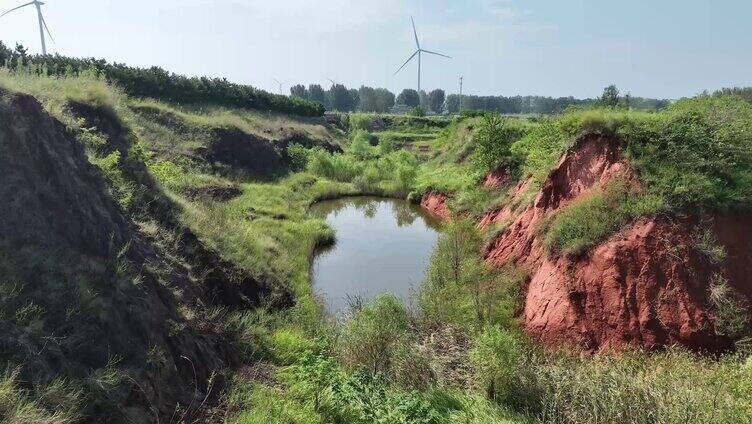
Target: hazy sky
<point x="656" y="48"/>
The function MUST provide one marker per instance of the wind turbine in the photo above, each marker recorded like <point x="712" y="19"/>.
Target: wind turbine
<point x="42" y="23"/>
<point x="418" y="53"/>
<point x="280" y="86"/>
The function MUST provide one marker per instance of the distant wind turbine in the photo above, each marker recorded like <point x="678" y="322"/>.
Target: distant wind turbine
<point x="280" y="86"/>
<point x="418" y="53"/>
<point x="42" y="23"/>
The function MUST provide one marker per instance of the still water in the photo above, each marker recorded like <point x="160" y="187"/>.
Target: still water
<point x="382" y="245"/>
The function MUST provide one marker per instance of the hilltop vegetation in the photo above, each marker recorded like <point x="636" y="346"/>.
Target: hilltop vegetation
<point x="158" y="83"/>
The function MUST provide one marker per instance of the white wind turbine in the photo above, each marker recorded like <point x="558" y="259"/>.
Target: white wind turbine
<point x="42" y="23"/>
<point x="418" y="53"/>
<point x="280" y="86"/>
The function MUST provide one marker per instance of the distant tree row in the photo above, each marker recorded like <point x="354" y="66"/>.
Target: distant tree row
<point x="158" y="83"/>
<point x="545" y="105"/>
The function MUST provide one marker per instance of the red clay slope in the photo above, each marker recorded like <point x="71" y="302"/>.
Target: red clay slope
<point x="643" y="287"/>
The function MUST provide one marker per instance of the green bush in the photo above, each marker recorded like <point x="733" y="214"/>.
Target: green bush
<point x="298" y="155"/>
<point x="337" y="167"/>
<point x="496" y="357"/>
<point x="417" y="111"/>
<point x="371" y="337"/>
<point x="494" y="139"/>
<point x="361" y="145"/>
<point x="587" y="221"/>
<point x="360" y="121"/>
<point x="288" y="345"/>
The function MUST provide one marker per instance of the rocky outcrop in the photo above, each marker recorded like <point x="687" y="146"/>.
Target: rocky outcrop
<point x="646" y="286"/>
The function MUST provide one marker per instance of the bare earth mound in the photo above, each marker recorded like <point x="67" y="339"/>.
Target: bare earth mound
<point x="646" y="286"/>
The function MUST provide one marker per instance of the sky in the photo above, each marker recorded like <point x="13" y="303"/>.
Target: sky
<point x="656" y="48"/>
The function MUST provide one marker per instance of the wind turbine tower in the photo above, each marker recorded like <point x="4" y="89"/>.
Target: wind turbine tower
<point x="418" y="53"/>
<point x="280" y="86"/>
<point x="42" y="22"/>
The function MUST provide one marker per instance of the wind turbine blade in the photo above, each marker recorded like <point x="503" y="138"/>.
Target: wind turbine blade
<point x="47" y="29"/>
<point x="406" y="62"/>
<point x="437" y="54"/>
<point x="415" y="33"/>
<point x="16" y="8"/>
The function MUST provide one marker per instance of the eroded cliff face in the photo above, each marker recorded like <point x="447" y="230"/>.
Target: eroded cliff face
<point x="646" y="286"/>
<point x="435" y="204"/>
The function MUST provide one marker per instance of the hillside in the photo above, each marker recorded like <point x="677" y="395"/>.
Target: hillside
<point x="156" y="263"/>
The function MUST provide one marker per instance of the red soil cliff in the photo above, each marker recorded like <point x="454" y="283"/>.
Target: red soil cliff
<point x="434" y="203"/>
<point x="645" y="286"/>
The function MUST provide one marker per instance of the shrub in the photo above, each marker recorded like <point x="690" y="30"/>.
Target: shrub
<point x="288" y="345"/>
<point x="361" y="147"/>
<point x="494" y="139"/>
<point x="587" y="221"/>
<point x="337" y="167"/>
<point x="730" y="310"/>
<point x="417" y="111"/>
<point x="298" y="155"/>
<point x="360" y="121"/>
<point x="496" y="356"/>
<point x="372" y="335"/>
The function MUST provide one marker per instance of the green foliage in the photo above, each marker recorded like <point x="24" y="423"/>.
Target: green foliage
<point x="288" y="345"/>
<point x="371" y="336"/>
<point x="358" y="398"/>
<point x="158" y="83"/>
<point x="610" y="97"/>
<point x="298" y="155"/>
<point x="436" y="100"/>
<point x="268" y="405"/>
<point x="497" y="356"/>
<point x="671" y="387"/>
<point x="706" y="243"/>
<point x="494" y="139"/>
<point x="417" y="111"/>
<point x="337" y="167"/>
<point x="361" y="121"/>
<point x="588" y="220"/>
<point x="696" y="153"/>
<point x="361" y="145"/>
<point x="408" y="97"/>
<point x="461" y="289"/>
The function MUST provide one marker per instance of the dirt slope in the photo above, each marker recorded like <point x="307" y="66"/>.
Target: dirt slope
<point x="105" y="295"/>
<point x="646" y="286"/>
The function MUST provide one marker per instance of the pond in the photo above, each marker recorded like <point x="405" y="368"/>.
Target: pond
<point x="382" y="245"/>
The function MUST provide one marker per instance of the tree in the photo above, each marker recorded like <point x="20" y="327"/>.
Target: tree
<point x="408" y="97"/>
<point x="436" y="100"/>
<point x="384" y="100"/>
<point x="367" y="99"/>
<point x="299" y="91"/>
<point x="341" y="98"/>
<point x="317" y="94"/>
<point x="610" y="96"/>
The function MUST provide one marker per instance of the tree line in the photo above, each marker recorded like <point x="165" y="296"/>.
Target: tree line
<point x="160" y="84"/>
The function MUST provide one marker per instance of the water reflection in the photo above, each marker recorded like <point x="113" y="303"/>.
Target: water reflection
<point x="381" y="245"/>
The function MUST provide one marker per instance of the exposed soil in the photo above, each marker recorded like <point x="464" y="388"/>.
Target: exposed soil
<point x="435" y="204"/>
<point x="645" y="286"/>
<point x="496" y="179"/>
<point x="53" y="202"/>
